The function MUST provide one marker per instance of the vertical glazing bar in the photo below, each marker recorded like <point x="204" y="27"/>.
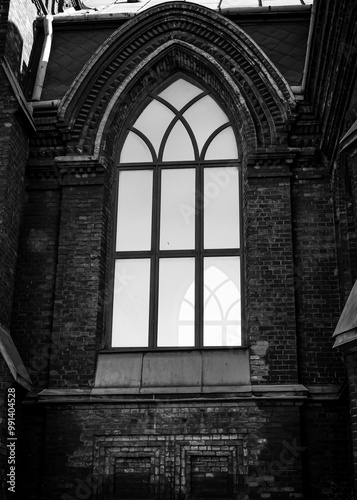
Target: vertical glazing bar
<point x="155" y="237"/>
<point x="199" y="202"/>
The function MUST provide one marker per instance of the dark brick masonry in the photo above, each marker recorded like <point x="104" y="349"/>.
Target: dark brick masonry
<point x="287" y="434"/>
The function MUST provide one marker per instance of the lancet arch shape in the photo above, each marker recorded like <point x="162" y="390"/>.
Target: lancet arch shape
<point x="147" y="50"/>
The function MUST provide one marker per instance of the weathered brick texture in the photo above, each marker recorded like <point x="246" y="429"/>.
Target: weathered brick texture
<point x="36" y="274"/>
<point x="281" y="446"/>
<point x="77" y="323"/>
<point x="270" y="300"/>
<point x="252" y="449"/>
<point x="31" y="452"/>
<point x="327" y="457"/>
<point x="316" y="276"/>
<point x="13" y="157"/>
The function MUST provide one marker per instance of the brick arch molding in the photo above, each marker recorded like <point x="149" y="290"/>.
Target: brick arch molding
<point x="173" y="37"/>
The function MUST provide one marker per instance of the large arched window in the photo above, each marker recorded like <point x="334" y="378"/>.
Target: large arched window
<point x="177" y="255"/>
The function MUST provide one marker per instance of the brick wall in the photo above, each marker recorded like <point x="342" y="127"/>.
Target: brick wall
<point x="31" y="452"/>
<point x="36" y="274"/>
<point x="77" y="322"/>
<point x="249" y="448"/>
<point x="16" y="36"/>
<point x="270" y="278"/>
<point x="316" y="275"/>
<point x="13" y="156"/>
<point x="20" y="36"/>
<point x="327" y="458"/>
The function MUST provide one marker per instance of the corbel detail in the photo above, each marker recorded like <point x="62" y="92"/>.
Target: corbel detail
<point x="79" y="170"/>
<point x="271" y="163"/>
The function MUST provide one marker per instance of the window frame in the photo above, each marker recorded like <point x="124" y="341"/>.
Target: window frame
<point x="198" y="252"/>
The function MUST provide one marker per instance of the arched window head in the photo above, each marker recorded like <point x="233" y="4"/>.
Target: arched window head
<point x="181" y="123"/>
<point x="177" y="252"/>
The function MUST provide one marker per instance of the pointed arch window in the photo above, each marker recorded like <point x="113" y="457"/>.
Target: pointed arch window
<point x="177" y="253"/>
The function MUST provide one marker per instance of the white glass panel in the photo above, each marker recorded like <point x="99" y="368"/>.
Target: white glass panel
<point x="221" y="208"/>
<point x="228" y="4"/>
<point x="134" y="210"/>
<point x="179" y="145"/>
<point x="176" y="303"/>
<point x="180" y="93"/>
<point x="131" y="303"/>
<point x="275" y="3"/>
<point x="204" y="117"/>
<point x="177" y="209"/>
<point x="154" y="121"/>
<point x="223" y="146"/>
<point x="135" y="150"/>
<point x="222" y="302"/>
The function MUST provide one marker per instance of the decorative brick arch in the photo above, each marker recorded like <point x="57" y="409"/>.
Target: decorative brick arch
<point x="150" y="48"/>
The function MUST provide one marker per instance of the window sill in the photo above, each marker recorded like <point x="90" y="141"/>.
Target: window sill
<point x="199" y="370"/>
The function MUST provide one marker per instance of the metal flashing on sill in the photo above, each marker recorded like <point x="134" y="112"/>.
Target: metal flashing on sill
<point x="174" y="394"/>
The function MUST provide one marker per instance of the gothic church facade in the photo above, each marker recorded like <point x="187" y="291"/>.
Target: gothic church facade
<point x="178" y="207"/>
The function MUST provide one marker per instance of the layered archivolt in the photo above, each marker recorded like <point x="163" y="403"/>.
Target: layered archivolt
<point x="182" y="123"/>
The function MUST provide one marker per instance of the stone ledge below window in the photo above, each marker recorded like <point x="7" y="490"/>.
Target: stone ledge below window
<point x="221" y="370"/>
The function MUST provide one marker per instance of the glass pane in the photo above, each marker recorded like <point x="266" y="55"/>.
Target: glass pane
<point x="134" y="210"/>
<point x="131" y="303"/>
<point x="221" y="208"/>
<point x="135" y="150"/>
<point x="176" y="303"/>
<point x="177" y="209"/>
<point x="154" y="121"/>
<point x="223" y="146"/>
<point x="180" y="93"/>
<point x="179" y="145"/>
<point x="275" y="3"/>
<point x="222" y="302"/>
<point x="204" y="117"/>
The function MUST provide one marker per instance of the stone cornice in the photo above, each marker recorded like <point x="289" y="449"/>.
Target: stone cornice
<point x="271" y="163"/>
<point x="50" y="173"/>
<point x="73" y="170"/>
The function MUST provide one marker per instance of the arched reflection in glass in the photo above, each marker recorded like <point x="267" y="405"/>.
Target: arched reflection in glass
<point x="177" y="274"/>
<point x="222" y="302"/>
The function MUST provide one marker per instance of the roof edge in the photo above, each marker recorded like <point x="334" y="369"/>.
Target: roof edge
<point x="13" y="360"/>
<point x="94" y="15"/>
